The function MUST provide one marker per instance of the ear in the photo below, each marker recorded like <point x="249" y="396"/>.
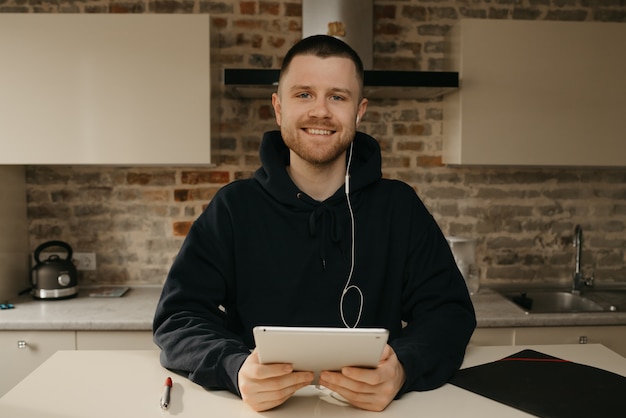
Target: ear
<point x="361" y="110"/>
<point x="277" y="107"/>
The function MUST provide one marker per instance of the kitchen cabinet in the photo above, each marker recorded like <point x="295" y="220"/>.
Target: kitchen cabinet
<point x="120" y="89"/>
<point x="536" y="93"/>
<point x="114" y="340"/>
<point x="613" y="337"/>
<point x="21" y="352"/>
<point x="493" y="336"/>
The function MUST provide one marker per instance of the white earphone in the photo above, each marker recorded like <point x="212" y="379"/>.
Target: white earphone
<point x="348" y="286"/>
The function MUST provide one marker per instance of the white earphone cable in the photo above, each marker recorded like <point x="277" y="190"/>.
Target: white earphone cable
<point x="348" y="286"/>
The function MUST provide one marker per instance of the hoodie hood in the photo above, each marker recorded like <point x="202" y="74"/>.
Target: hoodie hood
<point x="323" y="219"/>
<point x="365" y="169"/>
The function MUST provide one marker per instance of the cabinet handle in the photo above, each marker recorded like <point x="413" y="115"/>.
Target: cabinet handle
<point x="582" y="339"/>
<point x="21" y="344"/>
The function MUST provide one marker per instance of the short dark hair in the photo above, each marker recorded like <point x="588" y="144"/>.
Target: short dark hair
<point x="324" y="46"/>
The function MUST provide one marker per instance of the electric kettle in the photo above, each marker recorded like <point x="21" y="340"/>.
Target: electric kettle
<point x="55" y="277"/>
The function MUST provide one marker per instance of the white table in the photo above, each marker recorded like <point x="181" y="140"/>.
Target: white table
<point x="129" y="384"/>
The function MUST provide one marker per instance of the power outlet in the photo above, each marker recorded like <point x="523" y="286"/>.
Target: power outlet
<point x="82" y="261"/>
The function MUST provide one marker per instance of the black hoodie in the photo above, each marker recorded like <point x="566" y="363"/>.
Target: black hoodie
<point x="265" y="253"/>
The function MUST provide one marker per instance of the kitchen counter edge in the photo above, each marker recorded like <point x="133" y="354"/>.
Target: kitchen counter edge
<point x="135" y="310"/>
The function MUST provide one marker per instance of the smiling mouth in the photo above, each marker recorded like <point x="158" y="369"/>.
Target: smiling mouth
<point x="314" y="131"/>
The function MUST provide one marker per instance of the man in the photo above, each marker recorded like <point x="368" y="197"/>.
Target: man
<point x="316" y="238"/>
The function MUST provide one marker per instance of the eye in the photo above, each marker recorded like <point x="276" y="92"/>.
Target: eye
<point x="337" y="98"/>
<point x="303" y="95"/>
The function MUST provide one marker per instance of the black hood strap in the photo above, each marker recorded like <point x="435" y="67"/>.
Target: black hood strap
<point x="324" y="219"/>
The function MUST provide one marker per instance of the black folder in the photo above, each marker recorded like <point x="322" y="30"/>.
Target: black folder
<point x="547" y="386"/>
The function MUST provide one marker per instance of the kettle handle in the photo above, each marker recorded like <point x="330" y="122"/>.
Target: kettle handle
<point x="48" y="244"/>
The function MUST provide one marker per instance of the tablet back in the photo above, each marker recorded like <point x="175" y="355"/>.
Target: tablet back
<point x="316" y="349"/>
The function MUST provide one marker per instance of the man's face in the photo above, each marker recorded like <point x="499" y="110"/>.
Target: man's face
<point x="317" y="106"/>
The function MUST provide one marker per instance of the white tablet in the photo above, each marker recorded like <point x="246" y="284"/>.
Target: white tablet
<point x="316" y="349"/>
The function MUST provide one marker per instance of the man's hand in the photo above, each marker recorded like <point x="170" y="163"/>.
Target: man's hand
<point x="370" y="389"/>
<point x="265" y="386"/>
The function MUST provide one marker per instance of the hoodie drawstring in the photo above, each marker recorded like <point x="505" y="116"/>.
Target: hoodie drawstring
<point x="324" y="218"/>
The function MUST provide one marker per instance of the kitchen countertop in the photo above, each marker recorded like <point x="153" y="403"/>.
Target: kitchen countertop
<point x="134" y="312"/>
<point x="495" y="311"/>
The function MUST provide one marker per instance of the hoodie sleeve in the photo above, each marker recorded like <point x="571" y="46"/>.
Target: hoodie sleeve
<point x="190" y="325"/>
<point x="436" y="307"/>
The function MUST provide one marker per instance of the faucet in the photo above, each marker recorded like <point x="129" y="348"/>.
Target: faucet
<point x="579" y="281"/>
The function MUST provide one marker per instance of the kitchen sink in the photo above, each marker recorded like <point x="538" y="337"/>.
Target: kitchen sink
<point x="582" y="296"/>
<point x="556" y="302"/>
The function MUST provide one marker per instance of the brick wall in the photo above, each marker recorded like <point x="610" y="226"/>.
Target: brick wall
<point x="135" y="218"/>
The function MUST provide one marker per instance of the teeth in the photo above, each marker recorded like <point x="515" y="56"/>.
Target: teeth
<point x="319" y="131"/>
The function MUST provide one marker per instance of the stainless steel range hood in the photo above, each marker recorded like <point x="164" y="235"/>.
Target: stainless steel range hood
<point x="352" y="22"/>
<point x="379" y="84"/>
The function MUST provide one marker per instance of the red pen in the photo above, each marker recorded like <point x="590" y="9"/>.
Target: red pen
<point x="165" y="399"/>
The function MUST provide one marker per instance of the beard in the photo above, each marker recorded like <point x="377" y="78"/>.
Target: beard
<point x="318" y="151"/>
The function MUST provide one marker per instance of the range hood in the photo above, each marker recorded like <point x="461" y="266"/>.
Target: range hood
<point x="352" y="22"/>
<point x="379" y="84"/>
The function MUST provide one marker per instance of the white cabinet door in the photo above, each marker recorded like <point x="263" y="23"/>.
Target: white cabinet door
<point x="104" y="89"/>
<point x="21" y="352"/>
<point x="536" y="93"/>
<point x="492" y="336"/>
<point x="114" y="340"/>
<point x="613" y="337"/>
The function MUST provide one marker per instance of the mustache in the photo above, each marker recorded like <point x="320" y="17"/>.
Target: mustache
<point x="315" y="124"/>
